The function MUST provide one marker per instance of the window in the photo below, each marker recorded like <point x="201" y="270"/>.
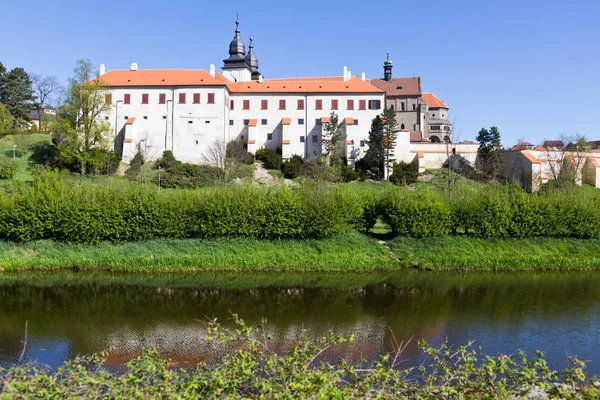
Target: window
<point x="181" y="98"/>
<point x="145" y="98"/>
<point x="190" y="122"/>
<point x="242" y="137"/>
<point x="402" y="106"/>
<point x="231" y="104"/>
<point x="145" y="117"/>
<point x="355" y="122"/>
<point x="434" y="128"/>
<point x="402" y="126"/>
<point x="207" y="122"/>
<point x="300" y="121"/>
<point x="433" y="115"/>
<point x="246" y="121"/>
<point x="282" y="104"/>
<point x="300" y="104"/>
<point x="230" y="122"/>
<point x="269" y="136"/>
<point x="126" y="99"/>
<point x="264" y="104"/>
<point x="319" y="105"/>
<point x="350" y="105"/>
<point x="318" y="121"/>
<point x="414" y="107"/>
<point x="315" y="139"/>
<point x="106" y="118"/>
<point x="196" y="142"/>
<point x="196" y="98"/>
<point x="162" y="98"/>
<point x="164" y="117"/>
<point x="362" y="104"/>
<point x="442" y="115"/>
<point x="108" y="98"/>
<point x="246" y="104"/>
<point x="126" y="117"/>
<point x="362" y="143"/>
<point x="211" y="98"/>
<point x="334" y="104"/>
<point x="392" y="106"/>
<point x="301" y="139"/>
<point x="263" y="121"/>
<point x="374" y="104"/>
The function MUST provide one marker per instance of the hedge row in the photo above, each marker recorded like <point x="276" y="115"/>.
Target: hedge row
<point x="57" y="208"/>
<point x="495" y="211"/>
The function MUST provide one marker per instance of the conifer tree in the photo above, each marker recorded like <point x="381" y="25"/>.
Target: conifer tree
<point x="334" y="140"/>
<point x="490" y="151"/>
<point x="374" y="156"/>
<point x="16" y="93"/>
<point x="390" y="134"/>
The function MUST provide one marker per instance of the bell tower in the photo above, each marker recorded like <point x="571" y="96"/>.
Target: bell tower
<point x="235" y="67"/>
<point x="387" y="69"/>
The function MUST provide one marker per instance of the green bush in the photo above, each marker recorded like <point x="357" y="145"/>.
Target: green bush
<point x="8" y="169"/>
<point x="166" y="161"/>
<point x="135" y="167"/>
<point x="404" y="173"/>
<point x="271" y="158"/>
<point x="293" y="168"/>
<point x="348" y="174"/>
<point x="239" y="150"/>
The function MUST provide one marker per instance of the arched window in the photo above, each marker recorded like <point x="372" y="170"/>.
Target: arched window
<point x="402" y="105"/>
<point x="402" y="126"/>
<point x="434" y="139"/>
<point x="392" y="107"/>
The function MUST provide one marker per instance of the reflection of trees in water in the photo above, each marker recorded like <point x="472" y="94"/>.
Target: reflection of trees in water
<point x="96" y="315"/>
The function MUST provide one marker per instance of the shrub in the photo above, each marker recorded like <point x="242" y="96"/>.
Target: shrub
<point x="167" y="160"/>
<point x="348" y="174"/>
<point x="271" y="158"/>
<point x="293" y="168"/>
<point x="404" y="173"/>
<point x="318" y="169"/>
<point x="239" y="151"/>
<point x="135" y="167"/>
<point x="8" y="169"/>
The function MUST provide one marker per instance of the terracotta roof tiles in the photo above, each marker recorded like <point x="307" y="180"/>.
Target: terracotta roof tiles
<point x="304" y="85"/>
<point x="159" y="77"/>
<point x="398" y="86"/>
<point x="433" y="101"/>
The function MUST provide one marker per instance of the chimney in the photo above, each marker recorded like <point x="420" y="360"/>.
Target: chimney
<point x="260" y="79"/>
<point x="349" y="75"/>
<point x="363" y="76"/>
<point x="345" y="74"/>
<point x="212" y="70"/>
<point x="133" y="67"/>
<point x="102" y="69"/>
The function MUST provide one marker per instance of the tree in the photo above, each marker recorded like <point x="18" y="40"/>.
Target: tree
<point x="390" y="134"/>
<point x="227" y="162"/>
<point x="6" y="119"/>
<point x="565" y="165"/>
<point x="78" y="128"/>
<point x="16" y="94"/>
<point x="334" y="140"/>
<point x="375" y="157"/>
<point x="490" y="152"/>
<point x="44" y="88"/>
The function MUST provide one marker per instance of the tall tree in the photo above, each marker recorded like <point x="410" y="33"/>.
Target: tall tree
<point x="78" y="128"/>
<point x="44" y="88"/>
<point x="334" y="140"/>
<point x="16" y="94"/>
<point x="490" y="152"/>
<point x="375" y="156"/>
<point x="6" y="119"/>
<point x="390" y="134"/>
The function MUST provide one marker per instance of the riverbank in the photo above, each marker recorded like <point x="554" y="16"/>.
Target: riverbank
<point x="349" y="252"/>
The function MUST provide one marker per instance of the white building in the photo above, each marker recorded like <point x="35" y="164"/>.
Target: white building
<point x="186" y="111"/>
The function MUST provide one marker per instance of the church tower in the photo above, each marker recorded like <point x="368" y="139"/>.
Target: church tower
<point x="387" y="69"/>
<point x="252" y="62"/>
<point x="235" y="68"/>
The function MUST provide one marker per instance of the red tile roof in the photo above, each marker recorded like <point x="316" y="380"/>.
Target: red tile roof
<point x="325" y="120"/>
<point x="221" y="77"/>
<point x="554" y="143"/>
<point x="530" y="157"/>
<point x="304" y="85"/>
<point x="252" y="122"/>
<point x="130" y="120"/>
<point x="398" y="86"/>
<point x="415" y="136"/>
<point x="433" y="101"/>
<point x="159" y="77"/>
<point x="286" y="121"/>
<point x="349" y="121"/>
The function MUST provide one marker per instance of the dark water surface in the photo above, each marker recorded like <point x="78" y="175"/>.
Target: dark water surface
<point x="79" y="313"/>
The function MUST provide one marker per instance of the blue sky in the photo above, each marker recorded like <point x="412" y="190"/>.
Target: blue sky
<point x="529" y="67"/>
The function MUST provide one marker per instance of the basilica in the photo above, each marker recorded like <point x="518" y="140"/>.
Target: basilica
<point x="187" y="111"/>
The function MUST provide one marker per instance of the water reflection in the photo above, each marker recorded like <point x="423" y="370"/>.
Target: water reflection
<point x="71" y="314"/>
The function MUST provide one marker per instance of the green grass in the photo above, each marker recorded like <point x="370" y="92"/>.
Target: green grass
<point x="457" y="253"/>
<point x="31" y="149"/>
<point x="348" y="252"/>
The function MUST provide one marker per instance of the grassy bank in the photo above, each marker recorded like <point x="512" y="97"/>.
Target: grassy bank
<point x="456" y="253"/>
<point x="347" y="252"/>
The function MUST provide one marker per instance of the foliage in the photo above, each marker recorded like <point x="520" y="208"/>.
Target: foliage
<point x="8" y="169"/>
<point x="78" y="129"/>
<point x="293" y="167"/>
<point x="16" y="94"/>
<point x="254" y="369"/>
<point x="404" y="173"/>
<point x="137" y="162"/>
<point x="239" y="151"/>
<point x="7" y="121"/>
<point x="227" y="159"/>
<point x="167" y="160"/>
<point x="334" y="140"/>
<point x="318" y="169"/>
<point x="347" y="173"/>
<point x="270" y="157"/>
<point x="374" y="159"/>
<point x="490" y="152"/>
<point x="43" y="87"/>
<point x="389" y="136"/>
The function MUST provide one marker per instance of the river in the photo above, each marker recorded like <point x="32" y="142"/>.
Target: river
<point x="79" y="313"/>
